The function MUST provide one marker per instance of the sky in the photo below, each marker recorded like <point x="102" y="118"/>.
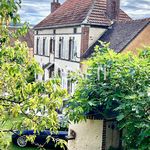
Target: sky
<point x="33" y="11"/>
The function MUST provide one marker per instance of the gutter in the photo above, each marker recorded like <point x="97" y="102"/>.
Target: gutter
<point x="69" y="25"/>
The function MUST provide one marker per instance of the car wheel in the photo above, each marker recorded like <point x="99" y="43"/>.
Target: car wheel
<point x="22" y="141"/>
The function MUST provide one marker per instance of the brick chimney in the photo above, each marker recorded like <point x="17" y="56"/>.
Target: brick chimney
<point x="113" y="9"/>
<point x="54" y="5"/>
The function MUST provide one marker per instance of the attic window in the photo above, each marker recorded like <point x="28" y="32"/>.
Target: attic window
<point x="75" y="30"/>
<point x="54" y="31"/>
<point x="36" y="32"/>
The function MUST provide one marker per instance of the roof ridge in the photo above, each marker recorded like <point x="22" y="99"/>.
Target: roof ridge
<point x="89" y="12"/>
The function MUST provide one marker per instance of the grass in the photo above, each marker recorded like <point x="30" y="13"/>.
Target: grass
<point x="14" y="147"/>
<point x="8" y="125"/>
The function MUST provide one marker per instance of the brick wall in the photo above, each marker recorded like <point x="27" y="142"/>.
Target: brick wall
<point x="84" y="39"/>
<point x="113" y="9"/>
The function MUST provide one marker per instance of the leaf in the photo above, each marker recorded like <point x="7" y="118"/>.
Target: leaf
<point x="120" y="117"/>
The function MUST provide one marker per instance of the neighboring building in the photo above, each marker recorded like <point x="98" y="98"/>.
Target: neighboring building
<point x="68" y="35"/>
<point x="125" y="36"/>
<point x="64" y="35"/>
<point x="28" y="38"/>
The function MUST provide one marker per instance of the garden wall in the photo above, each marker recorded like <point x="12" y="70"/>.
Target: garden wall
<point x="88" y="135"/>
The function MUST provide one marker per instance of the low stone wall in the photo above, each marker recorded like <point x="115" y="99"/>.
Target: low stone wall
<point x="88" y="135"/>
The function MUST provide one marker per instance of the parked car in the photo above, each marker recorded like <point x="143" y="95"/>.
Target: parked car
<point x="41" y="138"/>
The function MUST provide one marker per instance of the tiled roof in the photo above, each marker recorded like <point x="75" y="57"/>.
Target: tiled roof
<point x="120" y="35"/>
<point x="28" y="38"/>
<point x="78" y="12"/>
<point x="98" y="14"/>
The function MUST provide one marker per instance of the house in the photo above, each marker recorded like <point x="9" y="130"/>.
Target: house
<point x="71" y="28"/>
<point x="68" y="35"/>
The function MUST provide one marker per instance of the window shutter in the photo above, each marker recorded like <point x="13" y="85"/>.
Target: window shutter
<point x="53" y="45"/>
<point x="59" y="47"/>
<point x="44" y="39"/>
<point x="37" y="46"/>
<point x="69" y="48"/>
<point x="62" y="48"/>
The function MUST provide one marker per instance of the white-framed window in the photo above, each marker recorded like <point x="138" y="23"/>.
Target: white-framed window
<point x="69" y="83"/>
<point x="44" y="47"/>
<point x="61" y="48"/>
<point x="72" y="49"/>
<point x="51" y="72"/>
<point x="52" y="45"/>
<point x="37" y="46"/>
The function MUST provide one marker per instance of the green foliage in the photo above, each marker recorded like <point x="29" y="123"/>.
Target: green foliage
<point x="18" y="96"/>
<point x="35" y="103"/>
<point x="118" y="83"/>
<point x="9" y="15"/>
<point x="9" y="11"/>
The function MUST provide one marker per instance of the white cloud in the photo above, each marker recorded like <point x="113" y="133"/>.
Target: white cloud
<point x="136" y="8"/>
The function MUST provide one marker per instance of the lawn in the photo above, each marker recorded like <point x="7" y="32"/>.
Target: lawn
<point x="14" y="147"/>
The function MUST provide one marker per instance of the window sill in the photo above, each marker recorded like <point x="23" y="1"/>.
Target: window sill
<point x="67" y="60"/>
<point x="41" y="55"/>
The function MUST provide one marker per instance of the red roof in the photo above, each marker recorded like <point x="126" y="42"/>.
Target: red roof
<point x="74" y="12"/>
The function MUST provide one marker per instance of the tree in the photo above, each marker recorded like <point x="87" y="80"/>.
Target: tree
<point x="33" y="103"/>
<point x="118" y="83"/>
